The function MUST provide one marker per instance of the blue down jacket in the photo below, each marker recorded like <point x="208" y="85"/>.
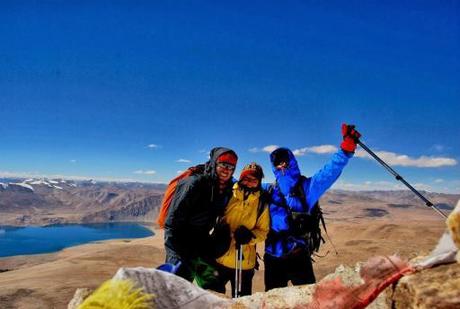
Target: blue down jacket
<point x="280" y="241"/>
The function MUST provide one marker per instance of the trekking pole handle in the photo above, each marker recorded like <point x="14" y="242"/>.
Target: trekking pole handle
<point x="399" y="177"/>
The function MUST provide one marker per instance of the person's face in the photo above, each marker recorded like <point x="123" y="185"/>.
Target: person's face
<point x="282" y="166"/>
<point x="224" y="171"/>
<point x="250" y="182"/>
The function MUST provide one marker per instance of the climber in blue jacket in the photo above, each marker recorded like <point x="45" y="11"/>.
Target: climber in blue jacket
<point x="287" y="251"/>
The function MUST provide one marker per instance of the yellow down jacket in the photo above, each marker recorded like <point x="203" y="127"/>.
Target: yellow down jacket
<point x="243" y="210"/>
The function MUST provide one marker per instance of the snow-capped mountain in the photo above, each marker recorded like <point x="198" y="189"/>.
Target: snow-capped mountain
<point x="50" y="183"/>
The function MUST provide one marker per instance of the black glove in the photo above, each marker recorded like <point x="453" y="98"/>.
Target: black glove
<point x="243" y="235"/>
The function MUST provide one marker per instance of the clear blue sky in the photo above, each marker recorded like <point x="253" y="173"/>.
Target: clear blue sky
<point x="86" y="87"/>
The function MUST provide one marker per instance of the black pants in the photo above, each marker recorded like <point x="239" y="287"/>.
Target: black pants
<point x="297" y="267"/>
<point x="225" y="274"/>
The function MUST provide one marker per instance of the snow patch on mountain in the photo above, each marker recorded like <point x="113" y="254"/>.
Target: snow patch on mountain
<point x="50" y="183"/>
<point x="22" y="185"/>
<point x="41" y="182"/>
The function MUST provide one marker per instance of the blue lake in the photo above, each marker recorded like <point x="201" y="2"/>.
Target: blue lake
<point x="34" y="240"/>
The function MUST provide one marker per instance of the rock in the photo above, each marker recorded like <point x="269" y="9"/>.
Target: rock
<point x="350" y="276"/>
<point x="301" y="296"/>
<point x="453" y="223"/>
<point x="171" y="291"/>
<point x="438" y="287"/>
<point x="78" y="298"/>
<point x="289" y="297"/>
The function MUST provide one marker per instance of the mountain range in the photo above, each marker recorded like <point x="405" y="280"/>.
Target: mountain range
<point x="51" y="201"/>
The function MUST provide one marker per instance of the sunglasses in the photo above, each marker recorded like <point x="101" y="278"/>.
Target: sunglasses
<point x="226" y="166"/>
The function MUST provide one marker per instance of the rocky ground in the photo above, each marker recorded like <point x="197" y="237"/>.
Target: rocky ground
<point x="50" y="280"/>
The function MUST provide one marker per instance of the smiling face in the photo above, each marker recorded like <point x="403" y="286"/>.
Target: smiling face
<point x="250" y="182"/>
<point x="224" y="171"/>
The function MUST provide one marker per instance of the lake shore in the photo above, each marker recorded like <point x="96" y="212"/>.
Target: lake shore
<point x="31" y="240"/>
<point x="49" y="280"/>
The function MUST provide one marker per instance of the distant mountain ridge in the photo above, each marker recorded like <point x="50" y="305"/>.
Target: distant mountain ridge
<point x="48" y="201"/>
<point x="398" y="205"/>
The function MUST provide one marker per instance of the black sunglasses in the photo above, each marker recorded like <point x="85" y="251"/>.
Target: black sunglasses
<point x="226" y="166"/>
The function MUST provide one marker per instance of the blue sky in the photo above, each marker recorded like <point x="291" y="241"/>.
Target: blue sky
<point x="116" y="90"/>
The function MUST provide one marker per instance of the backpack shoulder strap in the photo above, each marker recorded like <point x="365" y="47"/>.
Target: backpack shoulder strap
<point x="300" y="190"/>
<point x="197" y="169"/>
<point x="264" y="200"/>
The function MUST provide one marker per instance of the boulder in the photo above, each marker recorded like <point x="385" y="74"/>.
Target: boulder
<point x="437" y="287"/>
<point x="78" y="298"/>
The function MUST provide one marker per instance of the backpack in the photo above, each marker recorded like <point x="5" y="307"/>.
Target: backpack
<point x="171" y="190"/>
<point x="302" y="224"/>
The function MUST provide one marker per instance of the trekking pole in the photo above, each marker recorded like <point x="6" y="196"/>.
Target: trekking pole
<point x="237" y="255"/>
<point x="238" y="268"/>
<point x="399" y="177"/>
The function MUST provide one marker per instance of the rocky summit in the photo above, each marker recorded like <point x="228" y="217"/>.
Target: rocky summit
<point x="438" y="287"/>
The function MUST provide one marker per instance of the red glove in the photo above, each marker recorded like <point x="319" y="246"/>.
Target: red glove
<point x="350" y="138"/>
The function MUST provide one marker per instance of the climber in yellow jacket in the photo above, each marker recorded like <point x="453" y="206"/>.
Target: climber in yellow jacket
<point x="249" y="220"/>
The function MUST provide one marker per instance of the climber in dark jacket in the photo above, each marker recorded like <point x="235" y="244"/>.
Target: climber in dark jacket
<point x="287" y="255"/>
<point x="197" y="204"/>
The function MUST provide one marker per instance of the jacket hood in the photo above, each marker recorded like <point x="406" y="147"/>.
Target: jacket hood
<point x="288" y="178"/>
<point x="210" y="167"/>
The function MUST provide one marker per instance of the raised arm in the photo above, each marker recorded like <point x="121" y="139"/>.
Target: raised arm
<point x="325" y="177"/>
<point x="322" y="180"/>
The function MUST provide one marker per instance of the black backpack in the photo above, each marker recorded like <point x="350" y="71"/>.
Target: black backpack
<point x="302" y="224"/>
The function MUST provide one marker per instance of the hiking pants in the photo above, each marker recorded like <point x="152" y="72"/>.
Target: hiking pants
<point x="296" y="267"/>
<point x="196" y="269"/>
<point x="225" y="274"/>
